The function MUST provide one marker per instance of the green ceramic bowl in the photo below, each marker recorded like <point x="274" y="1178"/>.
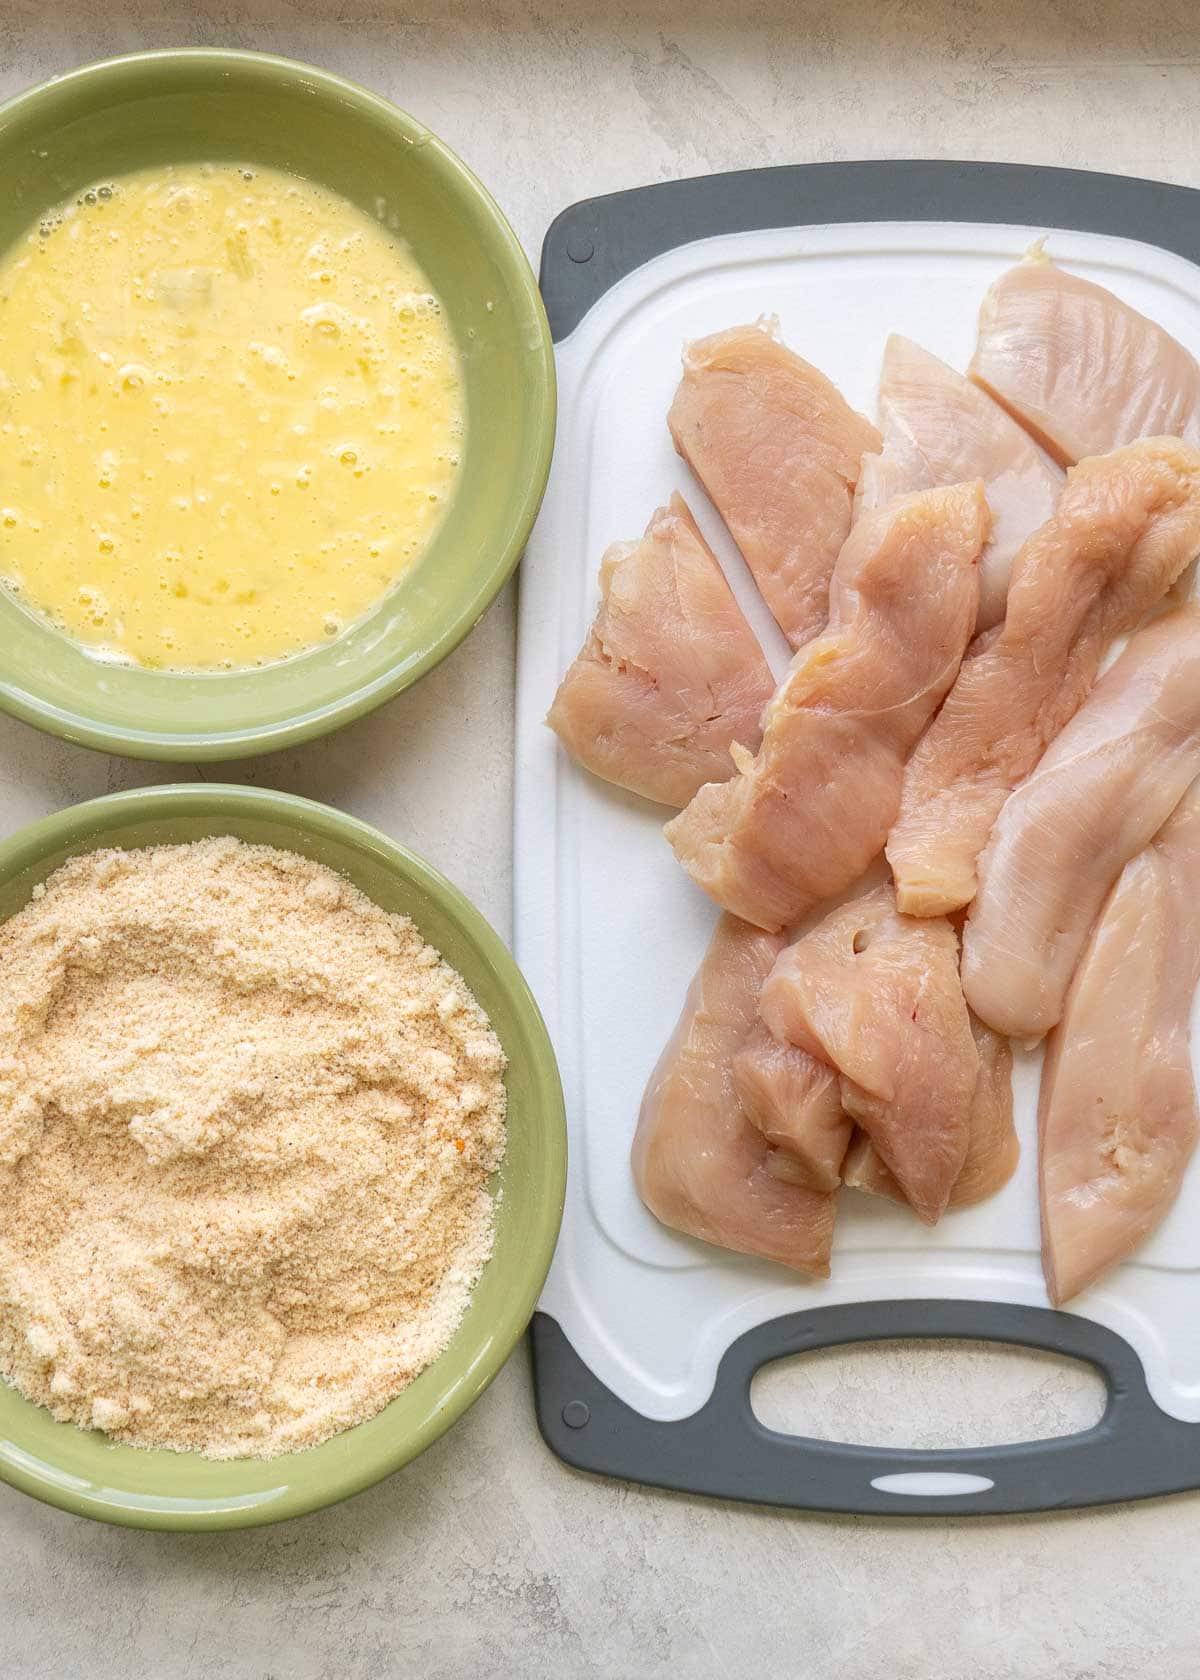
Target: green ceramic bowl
<point x="150" y="108"/>
<point x="84" y="1472"/>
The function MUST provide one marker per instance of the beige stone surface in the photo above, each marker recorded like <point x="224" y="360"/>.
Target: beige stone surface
<point x="488" y="1558"/>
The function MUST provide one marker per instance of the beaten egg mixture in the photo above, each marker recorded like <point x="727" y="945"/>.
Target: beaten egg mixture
<point x="231" y="416"/>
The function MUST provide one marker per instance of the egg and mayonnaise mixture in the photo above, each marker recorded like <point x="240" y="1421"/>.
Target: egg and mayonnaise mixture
<point x="231" y="416"/>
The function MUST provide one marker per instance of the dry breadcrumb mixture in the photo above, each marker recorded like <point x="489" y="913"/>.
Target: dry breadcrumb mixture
<point x="246" y="1124"/>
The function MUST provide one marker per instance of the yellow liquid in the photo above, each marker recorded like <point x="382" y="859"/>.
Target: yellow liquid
<point x="231" y="416"/>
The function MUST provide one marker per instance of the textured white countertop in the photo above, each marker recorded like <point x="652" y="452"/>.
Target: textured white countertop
<point x="487" y="1557"/>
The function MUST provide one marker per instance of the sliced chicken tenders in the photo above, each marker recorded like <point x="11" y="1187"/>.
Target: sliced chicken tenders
<point x="938" y="428"/>
<point x="698" y="1163"/>
<point x="878" y="995"/>
<point x="1082" y="371"/>
<point x="804" y="817"/>
<point x="670" y="675"/>
<point x="778" y="450"/>
<point x="1099" y="795"/>
<point x="1117" y="1117"/>
<point x="1126" y="526"/>
<point x="952" y="585"/>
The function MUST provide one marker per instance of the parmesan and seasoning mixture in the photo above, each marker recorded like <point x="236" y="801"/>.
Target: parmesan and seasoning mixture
<point x="246" y="1124"/>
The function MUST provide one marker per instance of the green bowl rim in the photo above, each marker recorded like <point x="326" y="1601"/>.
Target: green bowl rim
<point x="234" y="743"/>
<point x="540" y="1236"/>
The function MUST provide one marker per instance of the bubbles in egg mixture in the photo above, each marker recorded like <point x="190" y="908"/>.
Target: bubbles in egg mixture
<point x="220" y="361"/>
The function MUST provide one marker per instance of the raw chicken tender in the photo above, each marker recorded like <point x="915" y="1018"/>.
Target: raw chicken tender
<point x="1082" y="371"/>
<point x="1127" y="524"/>
<point x="938" y="428"/>
<point x="1101" y="792"/>
<point x="698" y="1163"/>
<point x="803" y="819"/>
<point x="863" y="1169"/>
<point x="992" y="1146"/>
<point x="796" y="1103"/>
<point x="1117" y="1116"/>
<point x="670" y="675"/>
<point x="778" y="450"/>
<point x="878" y="995"/>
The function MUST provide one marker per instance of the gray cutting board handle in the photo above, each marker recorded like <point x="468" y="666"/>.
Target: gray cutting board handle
<point x="1136" y="1449"/>
<point x="595" y="243"/>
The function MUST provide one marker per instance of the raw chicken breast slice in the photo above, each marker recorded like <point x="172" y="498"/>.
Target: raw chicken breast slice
<point x="670" y="675"/>
<point x="940" y="429"/>
<point x="878" y="995"/>
<point x="781" y="1163"/>
<point x="803" y="819"/>
<point x="1117" y="1116"/>
<point x="698" y="1163"/>
<point x="778" y="450"/>
<point x="1082" y="371"/>
<point x="992" y="1146"/>
<point x="1102" y="791"/>
<point x="1127" y="524"/>
<point x="796" y="1103"/>
<point x="863" y="1169"/>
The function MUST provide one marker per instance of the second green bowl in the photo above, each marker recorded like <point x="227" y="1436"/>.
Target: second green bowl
<point x="86" y="1473"/>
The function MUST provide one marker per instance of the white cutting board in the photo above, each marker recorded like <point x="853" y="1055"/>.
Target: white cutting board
<point x="609" y="930"/>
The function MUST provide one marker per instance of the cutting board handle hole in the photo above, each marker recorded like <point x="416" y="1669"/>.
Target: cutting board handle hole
<point x="928" y="1394"/>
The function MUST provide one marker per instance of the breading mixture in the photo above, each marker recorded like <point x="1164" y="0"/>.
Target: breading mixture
<point x="246" y="1124"/>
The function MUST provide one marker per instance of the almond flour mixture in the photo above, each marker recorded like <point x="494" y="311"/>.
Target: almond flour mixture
<point x="246" y="1123"/>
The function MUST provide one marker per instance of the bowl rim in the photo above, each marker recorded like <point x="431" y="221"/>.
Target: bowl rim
<point x="164" y="747"/>
<point x="30" y="844"/>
